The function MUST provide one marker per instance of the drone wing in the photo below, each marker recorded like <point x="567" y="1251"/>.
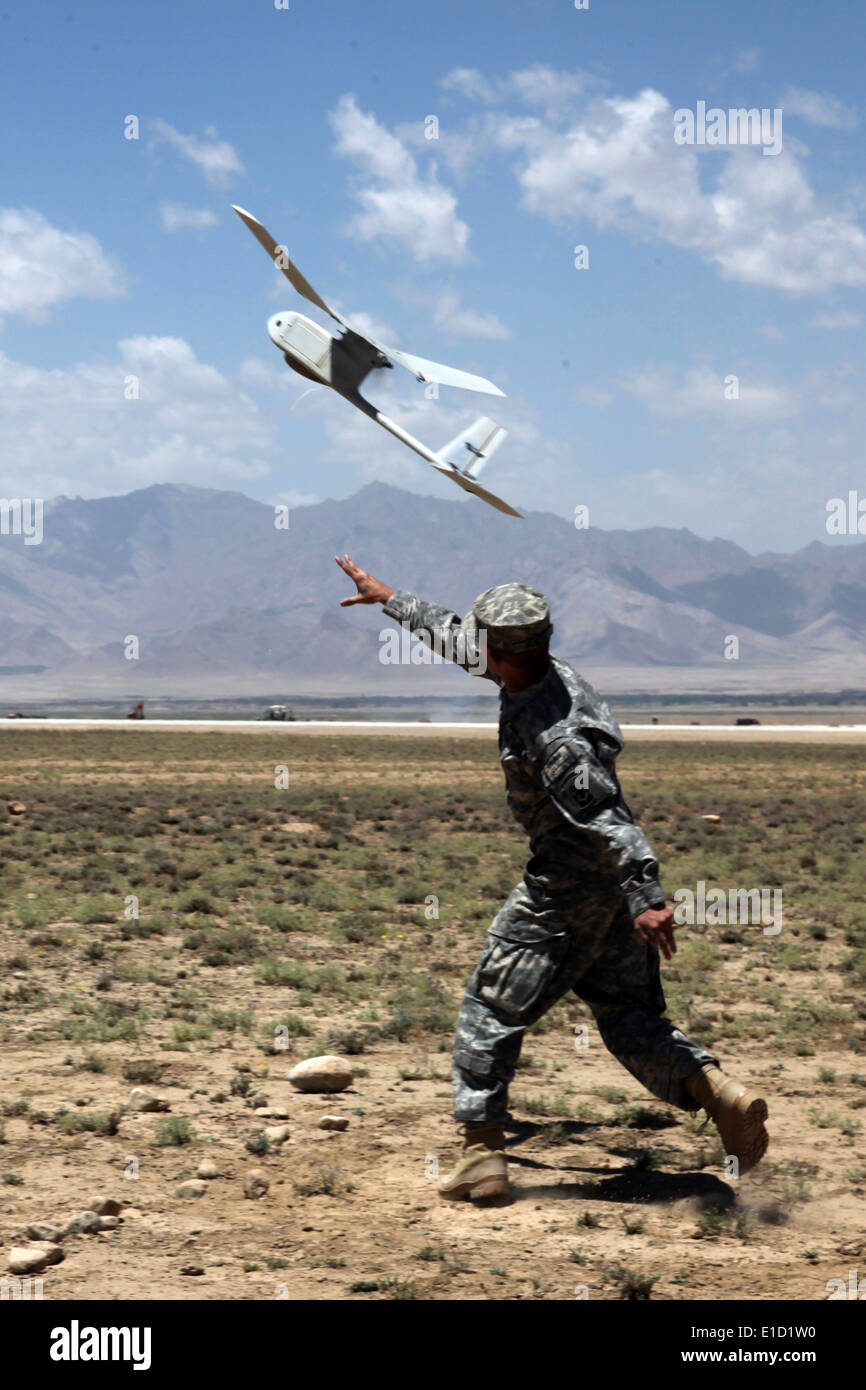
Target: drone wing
<point x="418" y="366"/>
<point x="436" y="371"/>
<point x="281" y="259"/>
<point x="469" y="485"/>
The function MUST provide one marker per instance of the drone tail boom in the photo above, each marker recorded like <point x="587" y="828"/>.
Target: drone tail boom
<point x="450" y="470"/>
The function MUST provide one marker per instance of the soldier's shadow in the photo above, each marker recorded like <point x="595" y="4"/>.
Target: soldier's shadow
<point x="635" y="1184"/>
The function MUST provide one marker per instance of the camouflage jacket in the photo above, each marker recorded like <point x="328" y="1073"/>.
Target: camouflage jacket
<point x="558" y="743"/>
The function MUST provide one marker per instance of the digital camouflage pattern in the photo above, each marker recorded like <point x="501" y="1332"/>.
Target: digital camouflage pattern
<point x="512" y="616"/>
<point x="568" y="925"/>
<point x="603" y="960"/>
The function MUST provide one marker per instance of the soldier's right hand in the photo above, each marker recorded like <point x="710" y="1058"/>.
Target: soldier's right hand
<point x="370" y="590"/>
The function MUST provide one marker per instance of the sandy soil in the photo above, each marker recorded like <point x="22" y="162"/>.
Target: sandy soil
<point x="356" y="1215"/>
<point x="400" y="1134"/>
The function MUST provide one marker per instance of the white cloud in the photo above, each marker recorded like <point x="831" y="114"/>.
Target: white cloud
<point x="215" y="159"/>
<point x="818" y="107"/>
<point x="398" y="204"/>
<point x="298" y="499"/>
<point x="368" y="324"/>
<point x="616" y="164"/>
<point x="472" y="84"/>
<point x="74" y="430"/>
<point x="773" y="332"/>
<point x="41" y="266"/>
<point x="700" y="391"/>
<point x="843" y="319"/>
<point x="267" y="372"/>
<point x="178" y="217"/>
<point x="551" y="89"/>
<point x="451" y="318"/>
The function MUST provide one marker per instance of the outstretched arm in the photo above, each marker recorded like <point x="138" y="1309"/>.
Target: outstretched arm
<point x="437" y="627"/>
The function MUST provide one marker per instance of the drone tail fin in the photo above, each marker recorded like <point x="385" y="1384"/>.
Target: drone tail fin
<point x="469" y="452"/>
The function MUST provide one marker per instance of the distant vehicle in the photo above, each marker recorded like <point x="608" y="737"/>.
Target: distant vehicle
<point x="138" y="712"/>
<point x="748" y="721"/>
<point x="343" y="363"/>
<point x="277" y="712"/>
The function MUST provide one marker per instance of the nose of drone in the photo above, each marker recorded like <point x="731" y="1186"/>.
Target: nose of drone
<point x="278" y="325"/>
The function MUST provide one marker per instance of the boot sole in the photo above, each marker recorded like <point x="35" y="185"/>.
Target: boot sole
<point x="749" y="1139"/>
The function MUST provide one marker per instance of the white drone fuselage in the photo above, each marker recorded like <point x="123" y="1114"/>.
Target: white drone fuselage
<point x="319" y="355"/>
<point x="342" y="364"/>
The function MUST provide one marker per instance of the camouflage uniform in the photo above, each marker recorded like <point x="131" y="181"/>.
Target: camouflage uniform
<point x="568" y="925"/>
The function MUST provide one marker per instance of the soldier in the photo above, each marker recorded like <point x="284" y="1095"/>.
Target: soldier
<point x="588" y="914"/>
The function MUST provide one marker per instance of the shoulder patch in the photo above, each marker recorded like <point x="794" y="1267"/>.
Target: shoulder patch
<point x="562" y="759"/>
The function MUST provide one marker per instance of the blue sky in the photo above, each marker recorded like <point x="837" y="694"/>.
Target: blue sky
<point x="121" y="258"/>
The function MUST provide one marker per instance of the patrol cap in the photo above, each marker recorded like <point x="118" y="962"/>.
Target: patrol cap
<point x="514" y="617"/>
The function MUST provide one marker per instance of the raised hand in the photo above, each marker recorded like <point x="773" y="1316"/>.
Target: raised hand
<point x="370" y="590"/>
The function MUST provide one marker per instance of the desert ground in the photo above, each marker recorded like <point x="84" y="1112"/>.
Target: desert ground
<point x="178" y="919"/>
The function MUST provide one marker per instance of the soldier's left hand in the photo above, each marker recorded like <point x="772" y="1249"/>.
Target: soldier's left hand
<point x="655" y="926"/>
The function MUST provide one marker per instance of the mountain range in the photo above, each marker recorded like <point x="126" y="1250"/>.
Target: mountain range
<point x="221" y="601"/>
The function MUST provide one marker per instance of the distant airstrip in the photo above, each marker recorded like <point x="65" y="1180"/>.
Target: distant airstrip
<point x="636" y="733"/>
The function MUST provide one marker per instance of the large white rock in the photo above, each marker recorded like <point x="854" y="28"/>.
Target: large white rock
<point x="53" y="1252"/>
<point x="322" y="1074"/>
<point x="27" y="1259"/>
<point x="277" y="1134"/>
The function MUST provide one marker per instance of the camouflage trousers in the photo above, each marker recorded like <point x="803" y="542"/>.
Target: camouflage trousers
<point x="531" y="958"/>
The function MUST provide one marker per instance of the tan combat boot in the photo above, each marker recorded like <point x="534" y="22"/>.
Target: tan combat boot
<point x="482" y="1170"/>
<point x="737" y="1113"/>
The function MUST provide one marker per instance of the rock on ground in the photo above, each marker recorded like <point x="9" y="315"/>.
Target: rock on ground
<point x="333" y="1122"/>
<point x="86" y="1222"/>
<point x="193" y="1187"/>
<point x="277" y="1134"/>
<point x="105" y="1206"/>
<point x="31" y="1259"/>
<point x="256" y="1183"/>
<point x="322" y="1074"/>
<point x="40" y="1230"/>
<point x="142" y="1100"/>
<point x="53" y="1252"/>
